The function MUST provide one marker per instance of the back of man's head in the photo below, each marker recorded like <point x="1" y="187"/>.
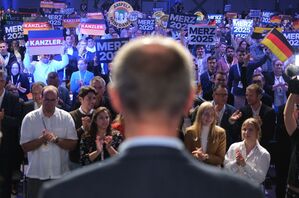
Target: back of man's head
<point x="153" y="74"/>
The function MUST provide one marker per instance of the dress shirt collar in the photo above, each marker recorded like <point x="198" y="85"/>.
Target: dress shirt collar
<point x="89" y="113"/>
<point x="170" y="142"/>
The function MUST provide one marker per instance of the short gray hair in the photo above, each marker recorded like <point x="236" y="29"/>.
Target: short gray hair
<point x="153" y="74"/>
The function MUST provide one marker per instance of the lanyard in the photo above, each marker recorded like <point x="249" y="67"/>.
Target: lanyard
<point x="16" y="80"/>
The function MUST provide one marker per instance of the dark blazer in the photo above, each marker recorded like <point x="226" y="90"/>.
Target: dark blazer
<point x="268" y="118"/>
<point x="150" y="172"/>
<point x="11" y="154"/>
<point x="232" y="133"/>
<point x="270" y="80"/>
<point x="207" y="86"/>
<point x="234" y="76"/>
<point x="65" y="97"/>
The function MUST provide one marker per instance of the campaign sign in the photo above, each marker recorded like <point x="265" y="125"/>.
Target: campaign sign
<point x="266" y="16"/>
<point x="293" y="38"/>
<point x="255" y="13"/>
<point x="15" y="17"/>
<point x="34" y="26"/>
<point x="68" y="11"/>
<point x="71" y="22"/>
<point x="46" y="4"/>
<point x="55" y="19"/>
<point x="45" y="42"/>
<point x="14" y="31"/>
<point x="227" y="7"/>
<point x="201" y="35"/>
<point x="95" y="15"/>
<point x="92" y="27"/>
<point x="118" y="14"/>
<point x="242" y="27"/>
<point x="180" y="21"/>
<point x="106" y="48"/>
<point x="217" y="17"/>
<point x="59" y="5"/>
<point x="146" y="25"/>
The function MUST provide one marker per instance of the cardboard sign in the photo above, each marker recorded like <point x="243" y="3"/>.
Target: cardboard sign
<point x="231" y="15"/>
<point x="201" y="35"/>
<point x="180" y="22"/>
<point x="71" y="22"/>
<point x="106" y="48"/>
<point x="55" y="19"/>
<point x="146" y="25"/>
<point x="46" y="4"/>
<point x="217" y="17"/>
<point x="242" y="27"/>
<point x="96" y="15"/>
<point x="14" y="31"/>
<point x="227" y="8"/>
<point x="266" y="16"/>
<point x="34" y="26"/>
<point x="255" y="13"/>
<point x="293" y="38"/>
<point x="45" y="42"/>
<point x="118" y="14"/>
<point x="92" y="27"/>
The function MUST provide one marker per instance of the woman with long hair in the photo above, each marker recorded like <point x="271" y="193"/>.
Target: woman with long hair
<point x="205" y="140"/>
<point x="99" y="142"/>
<point x="248" y="158"/>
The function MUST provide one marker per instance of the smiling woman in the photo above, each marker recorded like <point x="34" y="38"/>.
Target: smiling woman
<point x="205" y="140"/>
<point x="248" y="158"/>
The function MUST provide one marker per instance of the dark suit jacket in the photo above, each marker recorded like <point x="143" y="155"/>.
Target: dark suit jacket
<point x="65" y="97"/>
<point x="232" y="133"/>
<point x="234" y="76"/>
<point x="207" y="86"/>
<point x="10" y="148"/>
<point x="150" y="172"/>
<point x="268" y="118"/>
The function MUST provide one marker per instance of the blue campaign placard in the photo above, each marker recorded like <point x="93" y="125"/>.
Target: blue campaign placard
<point x="293" y="38"/>
<point x="242" y="27"/>
<point x="217" y="17"/>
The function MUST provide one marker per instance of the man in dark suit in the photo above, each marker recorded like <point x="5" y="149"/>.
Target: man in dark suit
<point x="152" y="161"/>
<point x="224" y="112"/>
<point x="6" y="58"/>
<point x="11" y="154"/>
<point x="255" y="108"/>
<point x="207" y="79"/>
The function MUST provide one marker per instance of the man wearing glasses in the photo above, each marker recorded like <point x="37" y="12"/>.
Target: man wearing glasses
<point x="47" y="134"/>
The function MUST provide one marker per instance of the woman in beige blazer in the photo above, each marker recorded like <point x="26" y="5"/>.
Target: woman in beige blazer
<point x="205" y="140"/>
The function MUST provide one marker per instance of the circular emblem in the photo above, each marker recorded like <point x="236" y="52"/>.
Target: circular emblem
<point x="118" y="14"/>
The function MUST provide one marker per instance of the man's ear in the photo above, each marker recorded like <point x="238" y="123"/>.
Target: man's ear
<point x="114" y="98"/>
<point x="189" y="102"/>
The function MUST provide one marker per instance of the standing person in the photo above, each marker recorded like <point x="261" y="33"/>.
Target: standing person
<point x="18" y="82"/>
<point x="291" y="117"/>
<point x="82" y="117"/>
<point x="47" y="134"/>
<point x="40" y="69"/>
<point x="240" y="76"/>
<point x="6" y="58"/>
<point x="205" y="140"/>
<point x="64" y="101"/>
<point x="99" y="142"/>
<point x="207" y="79"/>
<point x="248" y="158"/>
<point x="152" y="161"/>
<point x="80" y="78"/>
<point x="11" y="153"/>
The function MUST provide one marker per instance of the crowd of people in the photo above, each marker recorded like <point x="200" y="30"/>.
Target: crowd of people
<point x="55" y="110"/>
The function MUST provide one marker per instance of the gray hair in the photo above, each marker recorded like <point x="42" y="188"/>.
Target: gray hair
<point x="153" y="74"/>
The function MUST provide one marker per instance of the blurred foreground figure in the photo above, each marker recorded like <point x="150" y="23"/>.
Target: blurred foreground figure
<point x="152" y="87"/>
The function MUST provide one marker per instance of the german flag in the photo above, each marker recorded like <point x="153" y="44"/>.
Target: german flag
<point x="278" y="45"/>
<point x="275" y="19"/>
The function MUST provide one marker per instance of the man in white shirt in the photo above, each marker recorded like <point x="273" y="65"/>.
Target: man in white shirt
<point x="40" y="69"/>
<point x="47" y="134"/>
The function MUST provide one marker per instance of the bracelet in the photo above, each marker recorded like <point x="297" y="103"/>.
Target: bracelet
<point x="56" y="140"/>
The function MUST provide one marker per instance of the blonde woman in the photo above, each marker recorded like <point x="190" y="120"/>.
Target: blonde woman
<point x="248" y="158"/>
<point x="205" y="140"/>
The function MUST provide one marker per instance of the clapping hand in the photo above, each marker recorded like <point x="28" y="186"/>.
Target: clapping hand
<point x="199" y="154"/>
<point x="99" y="144"/>
<point x="239" y="158"/>
<point x="235" y="116"/>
